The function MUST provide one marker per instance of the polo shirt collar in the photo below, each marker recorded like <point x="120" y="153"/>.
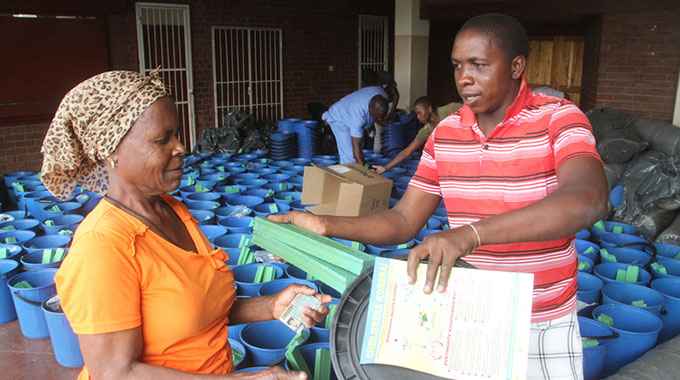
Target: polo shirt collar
<point x="468" y="118"/>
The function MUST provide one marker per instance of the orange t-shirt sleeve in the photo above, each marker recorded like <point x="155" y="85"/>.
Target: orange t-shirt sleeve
<point x="99" y="286"/>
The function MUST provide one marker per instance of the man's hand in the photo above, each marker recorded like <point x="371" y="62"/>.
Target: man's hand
<point x="305" y="220"/>
<point x="310" y="317"/>
<point x="379" y="169"/>
<point x="272" y="373"/>
<point x="443" y="249"/>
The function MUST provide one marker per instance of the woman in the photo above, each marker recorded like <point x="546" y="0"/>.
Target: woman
<point x="142" y="287"/>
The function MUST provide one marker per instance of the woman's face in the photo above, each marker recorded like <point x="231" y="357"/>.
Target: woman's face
<point x="150" y="155"/>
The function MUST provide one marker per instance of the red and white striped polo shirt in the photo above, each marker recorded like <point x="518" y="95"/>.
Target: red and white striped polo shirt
<point x="479" y="176"/>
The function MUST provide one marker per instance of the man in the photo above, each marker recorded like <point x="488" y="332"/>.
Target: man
<point x="519" y="175"/>
<point x="351" y="116"/>
<point x="430" y="116"/>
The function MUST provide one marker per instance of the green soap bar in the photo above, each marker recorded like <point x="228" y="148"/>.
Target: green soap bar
<point x="3" y="253"/>
<point x="23" y="285"/>
<point x="220" y="169"/>
<point x="329" y="316"/>
<point x="49" y="222"/>
<point x="252" y="222"/>
<point x="599" y="226"/>
<point x="632" y="273"/>
<point x="639" y="303"/>
<point x="221" y="178"/>
<point x="10" y="240"/>
<point x="620" y="275"/>
<point x="191" y="181"/>
<point x="283" y="186"/>
<point x="264" y="160"/>
<point x="297" y="340"/>
<point x="33" y="246"/>
<point x="617" y="229"/>
<point x="607" y="255"/>
<point x="54" y="208"/>
<point x="590" y="342"/>
<point x="309" y="277"/>
<point x="269" y="274"/>
<point x="589" y="250"/>
<point x="207" y="217"/>
<point x="9" y="228"/>
<point x="231" y="189"/>
<point x="297" y="362"/>
<point x="273" y="208"/>
<point x="199" y="188"/>
<point x="582" y="265"/>
<point x="607" y="320"/>
<point x="243" y="256"/>
<point x="59" y="254"/>
<point x="236" y="355"/>
<point x="215" y="206"/>
<point x="659" y="268"/>
<point x="270" y="193"/>
<point x="18" y="186"/>
<point x="47" y="256"/>
<point x="322" y="364"/>
<point x="677" y="257"/>
<point x="356" y="245"/>
<point x="258" y="275"/>
<point x="240" y="150"/>
<point x="403" y="245"/>
<point x="66" y="232"/>
<point x="334" y="276"/>
<point x="289" y="198"/>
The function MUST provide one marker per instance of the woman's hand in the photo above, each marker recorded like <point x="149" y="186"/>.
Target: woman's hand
<point x="273" y="373"/>
<point x="443" y="249"/>
<point x="305" y="220"/>
<point x="379" y="169"/>
<point x="310" y="317"/>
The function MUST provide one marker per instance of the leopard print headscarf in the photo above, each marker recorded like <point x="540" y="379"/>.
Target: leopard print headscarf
<point x="89" y="124"/>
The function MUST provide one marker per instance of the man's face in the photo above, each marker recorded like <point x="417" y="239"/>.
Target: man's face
<point x="484" y="75"/>
<point x="377" y="115"/>
<point x="423" y="112"/>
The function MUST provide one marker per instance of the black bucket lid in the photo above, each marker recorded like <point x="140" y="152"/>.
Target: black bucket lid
<point x="347" y="335"/>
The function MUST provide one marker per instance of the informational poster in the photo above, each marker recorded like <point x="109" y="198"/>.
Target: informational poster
<point x="477" y="329"/>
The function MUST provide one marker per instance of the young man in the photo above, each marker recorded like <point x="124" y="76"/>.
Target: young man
<point x="430" y="116"/>
<point x="351" y="116"/>
<point x="519" y="175"/>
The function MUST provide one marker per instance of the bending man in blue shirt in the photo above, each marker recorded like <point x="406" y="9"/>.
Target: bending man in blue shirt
<point x="351" y="116"/>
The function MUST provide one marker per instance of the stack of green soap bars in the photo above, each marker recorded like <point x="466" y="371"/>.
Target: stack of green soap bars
<point x="323" y="258"/>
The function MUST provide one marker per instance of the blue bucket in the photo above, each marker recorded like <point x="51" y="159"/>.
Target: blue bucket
<point x="10" y="178"/>
<point x="665" y="251"/>
<point x="253" y="183"/>
<point x="191" y="189"/>
<point x="232" y="211"/>
<point x="21" y="224"/>
<point x="228" y="192"/>
<point x="276" y="178"/>
<point x="244" y="276"/>
<point x="583" y="234"/>
<point x="20" y="236"/>
<point x="670" y="288"/>
<point x="237" y="224"/>
<point x="593" y="249"/>
<point x="638" y="331"/>
<point x="607" y="273"/>
<point x="64" y="341"/>
<point x="626" y="294"/>
<point x="394" y="253"/>
<point x="203" y="216"/>
<point x="672" y="269"/>
<point x="205" y="196"/>
<point x="64" y="222"/>
<point x="265" y="209"/>
<point x="265" y="194"/>
<point x="266" y="341"/>
<point x="617" y="240"/>
<point x="8" y="268"/>
<point x="295" y="272"/>
<point x="89" y="200"/>
<point x="214" y="179"/>
<point x="299" y="206"/>
<point x="212" y="232"/>
<point x="244" y="176"/>
<point x="237" y="346"/>
<point x="585" y="264"/>
<point x="423" y="233"/>
<point x="594" y="357"/>
<point x="202" y="205"/>
<point x="319" y="332"/>
<point x="589" y="288"/>
<point x="28" y="301"/>
<point x="609" y="228"/>
<point x="263" y="171"/>
<point x="273" y="287"/>
<point x="40" y="243"/>
<point x="36" y="201"/>
<point x="33" y="261"/>
<point x="308" y="352"/>
<point x="278" y="187"/>
<point x="65" y="208"/>
<point x="376" y="250"/>
<point x="246" y="200"/>
<point x="235" y="331"/>
<point x="627" y="256"/>
<point x="14" y="252"/>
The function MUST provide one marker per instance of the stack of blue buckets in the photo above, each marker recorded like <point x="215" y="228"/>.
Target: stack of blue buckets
<point x="295" y="137"/>
<point x="633" y="289"/>
<point x="399" y="133"/>
<point x="224" y="192"/>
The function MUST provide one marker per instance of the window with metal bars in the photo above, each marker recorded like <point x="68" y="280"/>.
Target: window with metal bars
<point x="247" y="67"/>
<point x="373" y="47"/>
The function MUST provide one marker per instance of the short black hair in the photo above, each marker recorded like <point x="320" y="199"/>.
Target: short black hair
<point x="425" y="101"/>
<point x="505" y="31"/>
<point x="378" y="104"/>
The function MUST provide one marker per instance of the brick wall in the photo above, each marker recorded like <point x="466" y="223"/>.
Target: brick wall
<point x="592" y="35"/>
<point x="638" y="63"/>
<point x="20" y="147"/>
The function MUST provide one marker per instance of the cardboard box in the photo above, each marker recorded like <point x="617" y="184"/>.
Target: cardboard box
<point x="345" y="190"/>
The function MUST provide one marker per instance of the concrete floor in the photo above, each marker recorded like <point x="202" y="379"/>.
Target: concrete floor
<point x="29" y="359"/>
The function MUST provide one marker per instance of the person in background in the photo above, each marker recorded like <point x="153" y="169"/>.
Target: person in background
<point x="429" y="115"/>
<point x="351" y="116"/>
<point x="550" y="92"/>
<point x="384" y="80"/>
<point x="143" y="288"/>
<point x="519" y="175"/>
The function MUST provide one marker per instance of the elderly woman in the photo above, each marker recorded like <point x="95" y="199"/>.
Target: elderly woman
<point x="145" y="291"/>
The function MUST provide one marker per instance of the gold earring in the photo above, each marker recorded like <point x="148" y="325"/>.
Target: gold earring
<point x="113" y="163"/>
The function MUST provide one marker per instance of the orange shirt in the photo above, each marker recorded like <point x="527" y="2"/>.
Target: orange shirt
<point x="120" y="275"/>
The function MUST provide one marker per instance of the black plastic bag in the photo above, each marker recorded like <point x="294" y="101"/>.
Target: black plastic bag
<point x="616" y="140"/>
